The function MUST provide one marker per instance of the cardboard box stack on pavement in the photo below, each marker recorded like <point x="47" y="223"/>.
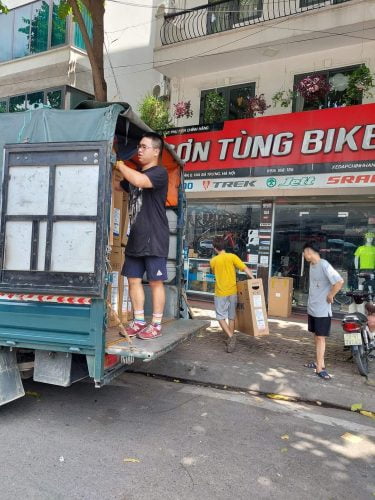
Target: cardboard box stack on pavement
<point x="251" y="315"/>
<point x="280" y="296"/>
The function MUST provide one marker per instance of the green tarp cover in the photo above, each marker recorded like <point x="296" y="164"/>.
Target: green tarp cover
<point x="51" y="125"/>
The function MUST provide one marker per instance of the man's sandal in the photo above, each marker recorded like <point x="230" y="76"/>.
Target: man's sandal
<point x="324" y="375"/>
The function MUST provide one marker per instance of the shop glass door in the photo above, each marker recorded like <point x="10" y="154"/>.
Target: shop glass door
<point x="337" y="228"/>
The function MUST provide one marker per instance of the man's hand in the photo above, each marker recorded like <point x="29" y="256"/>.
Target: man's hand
<point x="330" y="298"/>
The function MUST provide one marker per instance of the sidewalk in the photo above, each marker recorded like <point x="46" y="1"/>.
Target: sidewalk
<point x="271" y="364"/>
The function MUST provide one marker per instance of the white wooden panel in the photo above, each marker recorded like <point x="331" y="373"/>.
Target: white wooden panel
<point x="73" y="247"/>
<point x="76" y="190"/>
<point x="28" y="191"/>
<point x="18" y="245"/>
<point x="42" y="245"/>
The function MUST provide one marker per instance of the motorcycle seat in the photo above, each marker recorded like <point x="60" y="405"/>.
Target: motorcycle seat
<point x="357" y="316"/>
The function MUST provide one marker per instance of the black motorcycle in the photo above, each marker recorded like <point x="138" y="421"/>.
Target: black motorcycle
<point x="357" y="335"/>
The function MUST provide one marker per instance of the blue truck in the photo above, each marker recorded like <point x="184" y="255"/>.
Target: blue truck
<point x="54" y="256"/>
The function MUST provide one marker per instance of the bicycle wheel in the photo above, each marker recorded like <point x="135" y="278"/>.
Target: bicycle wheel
<point x="360" y="357"/>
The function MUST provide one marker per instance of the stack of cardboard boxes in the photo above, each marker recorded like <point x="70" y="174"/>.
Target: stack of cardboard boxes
<point x="118" y="290"/>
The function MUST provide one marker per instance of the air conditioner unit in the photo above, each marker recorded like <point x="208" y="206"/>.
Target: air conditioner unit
<point x="163" y="89"/>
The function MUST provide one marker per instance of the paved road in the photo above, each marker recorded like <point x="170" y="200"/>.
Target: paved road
<point x="187" y="442"/>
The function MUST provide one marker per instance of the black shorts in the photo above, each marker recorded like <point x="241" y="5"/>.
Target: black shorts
<point x="320" y="326"/>
<point x="135" y="267"/>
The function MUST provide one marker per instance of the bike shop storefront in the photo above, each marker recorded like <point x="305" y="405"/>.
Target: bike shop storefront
<point x="268" y="185"/>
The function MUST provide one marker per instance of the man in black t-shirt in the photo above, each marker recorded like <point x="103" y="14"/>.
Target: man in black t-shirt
<point x="148" y="242"/>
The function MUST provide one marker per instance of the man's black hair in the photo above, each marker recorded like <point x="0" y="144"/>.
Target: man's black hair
<point x="157" y="140"/>
<point x="312" y="246"/>
<point x="219" y="243"/>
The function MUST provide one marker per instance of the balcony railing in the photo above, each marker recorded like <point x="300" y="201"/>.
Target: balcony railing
<point x="230" y="14"/>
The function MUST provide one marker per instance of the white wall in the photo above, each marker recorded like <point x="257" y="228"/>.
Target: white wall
<point x="130" y="36"/>
<point x="272" y="76"/>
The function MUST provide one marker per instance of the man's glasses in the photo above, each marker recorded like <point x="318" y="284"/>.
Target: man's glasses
<point x="143" y="147"/>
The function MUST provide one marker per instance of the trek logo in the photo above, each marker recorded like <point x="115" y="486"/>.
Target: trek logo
<point x="233" y="184"/>
<point x="352" y="179"/>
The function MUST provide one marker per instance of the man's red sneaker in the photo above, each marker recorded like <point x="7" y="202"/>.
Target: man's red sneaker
<point x="133" y="328"/>
<point x="151" y="332"/>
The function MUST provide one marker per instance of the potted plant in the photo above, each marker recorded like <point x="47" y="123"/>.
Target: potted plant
<point x="154" y="112"/>
<point x="360" y="82"/>
<point x="284" y="97"/>
<point x="214" y="107"/>
<point x="313" y="88"/>
<point x="182" y="108"/>
<point x="255" y="106"/>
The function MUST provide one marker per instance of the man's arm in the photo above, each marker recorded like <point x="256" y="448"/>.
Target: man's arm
<point x="334" y="289"/>
<point x="248" y="272"/>
<point x="135" y="178"/>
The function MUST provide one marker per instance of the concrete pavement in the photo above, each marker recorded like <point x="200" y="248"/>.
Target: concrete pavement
<point x="271" y="364"/>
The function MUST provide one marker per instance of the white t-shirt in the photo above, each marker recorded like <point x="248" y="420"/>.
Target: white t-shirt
<point x="322" y="277"/>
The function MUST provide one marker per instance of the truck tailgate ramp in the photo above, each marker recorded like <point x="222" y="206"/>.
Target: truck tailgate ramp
<point x="174" y="332"/>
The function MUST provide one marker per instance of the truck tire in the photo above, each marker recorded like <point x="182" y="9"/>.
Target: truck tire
<point x="361" y="360"/>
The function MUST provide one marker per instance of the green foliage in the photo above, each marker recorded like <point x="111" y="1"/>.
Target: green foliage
<point x="214" y="107"/>
<point x="284" y="97"/>
<point x="3" y="8"/>
<point x="359" y="85"/>
<point x="38" y="34"/>
<point x="155" y="113"/>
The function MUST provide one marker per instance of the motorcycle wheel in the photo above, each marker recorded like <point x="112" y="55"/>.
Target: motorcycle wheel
<point x="361" y="359"/>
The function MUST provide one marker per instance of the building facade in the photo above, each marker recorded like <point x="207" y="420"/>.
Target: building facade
<point x="299" y="169"/>
<point x="43" y="60"/>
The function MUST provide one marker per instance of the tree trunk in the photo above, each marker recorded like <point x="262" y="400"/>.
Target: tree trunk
<point x="94" y="48"/>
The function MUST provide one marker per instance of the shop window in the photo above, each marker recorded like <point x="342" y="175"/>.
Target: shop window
<point x="39" y="27"/>
<point x="233" y="222"/>
<point x="223" y="16"/>
<point x="26" y="29"/>
<point x="35" y="100"/>
<point x="17" y="103"/>
<point x="234" y="96"/>
<point x="58" y="31"/>
<point x="54" y="99"/>
<point x="6" y="29"/>
<point x="21" y="31"/>
<point x="3" y="106"/>
<point x="78" y="38"/>
<point x="337" y="228"/>
<point x="335" y="98"/>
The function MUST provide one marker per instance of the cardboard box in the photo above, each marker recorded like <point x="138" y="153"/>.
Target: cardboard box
<point x="251" y="315"/>
<point x="113" y="297"/>
<point x="280" y="296"/>
<point x="125" y="304"/>
<point x="117" y="258"/>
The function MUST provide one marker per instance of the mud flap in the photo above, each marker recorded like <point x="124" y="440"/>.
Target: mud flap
<point x="11" y="387"/>
<point x="59" y="368"/>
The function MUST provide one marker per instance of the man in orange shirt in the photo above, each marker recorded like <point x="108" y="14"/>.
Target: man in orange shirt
<point x="224" y="266"/>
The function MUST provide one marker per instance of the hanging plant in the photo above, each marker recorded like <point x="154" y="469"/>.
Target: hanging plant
<point x="284" y="97"/>
<point x="154" y="112"/>
<point x="182" y="109"/>
<point x="360" y="82"/>
<point x="256" y="105"/>
<point x="214" y="107"/>
<point x="313" y="87"/>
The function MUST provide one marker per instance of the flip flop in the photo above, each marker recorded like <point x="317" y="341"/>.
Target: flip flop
<point x="311" y="364"/>
<point x="324" y="375"/>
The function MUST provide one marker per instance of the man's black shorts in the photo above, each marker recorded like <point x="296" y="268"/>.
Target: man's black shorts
<point x="320" y="326"/>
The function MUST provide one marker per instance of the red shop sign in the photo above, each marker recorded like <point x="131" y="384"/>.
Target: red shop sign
<point x="316" y="140"/>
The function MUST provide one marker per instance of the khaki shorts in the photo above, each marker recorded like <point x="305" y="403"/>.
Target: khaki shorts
<point x="225" y="307"/>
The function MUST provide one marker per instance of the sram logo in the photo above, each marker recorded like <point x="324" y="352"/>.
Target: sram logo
<point x="352" y="179"/>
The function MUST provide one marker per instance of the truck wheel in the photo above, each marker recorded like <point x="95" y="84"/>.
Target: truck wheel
<point x="361" y="359"/>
